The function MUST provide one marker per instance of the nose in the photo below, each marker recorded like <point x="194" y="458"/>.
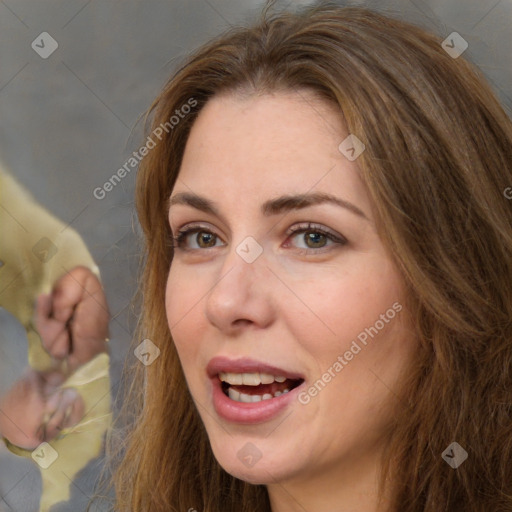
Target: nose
<point x="242" y="295"/>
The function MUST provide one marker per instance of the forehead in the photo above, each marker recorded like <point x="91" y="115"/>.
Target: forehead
<point x="260" y="146"/>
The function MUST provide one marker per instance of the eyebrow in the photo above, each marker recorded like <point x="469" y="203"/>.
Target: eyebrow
<point x="271" y="207"/>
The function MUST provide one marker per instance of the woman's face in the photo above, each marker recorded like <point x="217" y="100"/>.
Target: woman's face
<point x="249" y="303"/>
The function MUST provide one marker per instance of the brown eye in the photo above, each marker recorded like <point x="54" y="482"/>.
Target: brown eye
<point x="204" y="239"/>
<point x="315" y="239"/>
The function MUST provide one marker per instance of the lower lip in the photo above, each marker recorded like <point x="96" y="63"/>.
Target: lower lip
<point x="253" y="412"/>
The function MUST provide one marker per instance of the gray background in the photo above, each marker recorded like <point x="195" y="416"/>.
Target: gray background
<point x="70" y="121"/>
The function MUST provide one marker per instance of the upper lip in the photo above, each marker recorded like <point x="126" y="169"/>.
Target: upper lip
<point x="244" y="365"/>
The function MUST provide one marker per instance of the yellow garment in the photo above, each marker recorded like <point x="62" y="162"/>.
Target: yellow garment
<point x="36" y="249"/>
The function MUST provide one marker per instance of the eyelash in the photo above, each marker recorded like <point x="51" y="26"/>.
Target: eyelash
<point x="178" y="240"/>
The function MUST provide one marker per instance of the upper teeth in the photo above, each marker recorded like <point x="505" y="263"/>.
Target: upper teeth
<point x="250" y="379"/>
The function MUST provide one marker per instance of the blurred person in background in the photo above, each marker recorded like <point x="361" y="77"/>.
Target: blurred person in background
<point x="54" y="323"/>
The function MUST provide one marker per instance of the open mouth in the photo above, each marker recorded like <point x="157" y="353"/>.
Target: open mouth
<point x="255" y="387"/>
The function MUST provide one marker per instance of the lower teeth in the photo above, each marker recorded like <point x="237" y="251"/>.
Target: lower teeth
<point x="243" y="397"/>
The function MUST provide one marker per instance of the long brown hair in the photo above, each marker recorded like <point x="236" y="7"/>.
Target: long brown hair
<point x="438" y="158"/>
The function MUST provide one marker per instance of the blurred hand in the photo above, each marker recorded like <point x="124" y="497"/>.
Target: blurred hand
<point x="73" y="320"/>
<point x="36" y="410"/>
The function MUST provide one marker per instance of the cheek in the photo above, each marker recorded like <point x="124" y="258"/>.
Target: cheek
<point x="183" y="295"/>
<point x="336" y="307"/>
<point x="182" y="304"/>
<point x="346" y="370"/>
<point x="172" y="305"/>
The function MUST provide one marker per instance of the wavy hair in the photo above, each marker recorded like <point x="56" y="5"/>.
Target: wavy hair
<point x="438" y="158"/>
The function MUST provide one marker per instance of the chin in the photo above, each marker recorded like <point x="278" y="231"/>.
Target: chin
<point x="257" y="475"/>
<point x="252" y="477"/>
<point x="262" y="471"/>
